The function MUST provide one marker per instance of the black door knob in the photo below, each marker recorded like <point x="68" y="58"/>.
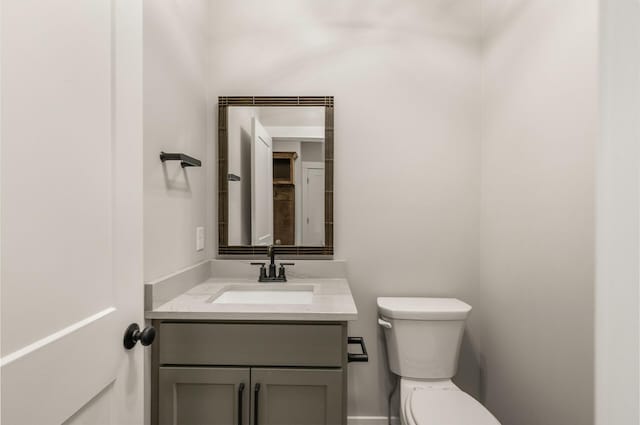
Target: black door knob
<point x="133" y="335"/>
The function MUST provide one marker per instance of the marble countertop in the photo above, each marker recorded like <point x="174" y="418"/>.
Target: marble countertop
<point x="332" y="301"/>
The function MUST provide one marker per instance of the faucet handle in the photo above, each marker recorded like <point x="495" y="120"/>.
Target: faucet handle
<point x="281" y="271"/>
<point x="263" y="271"/>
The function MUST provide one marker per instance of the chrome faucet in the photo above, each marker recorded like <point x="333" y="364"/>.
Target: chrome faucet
<point x="272" y="277"/>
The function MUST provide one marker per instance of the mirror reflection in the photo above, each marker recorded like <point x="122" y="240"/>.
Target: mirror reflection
<point x="276" y="175"/>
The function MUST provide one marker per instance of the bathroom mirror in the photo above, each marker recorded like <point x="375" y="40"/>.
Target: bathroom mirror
<point x="275" y="181"/>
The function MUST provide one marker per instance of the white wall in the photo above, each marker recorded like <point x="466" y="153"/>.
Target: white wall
<point x="297" y="133"/>
<point x="540" y="128"/>
<point x="406" y="86"/>
<point x="293" y="116"/>
<point x="177" y="118"/>
<point x="618" y="216"/>
<point x="239" y="148"/>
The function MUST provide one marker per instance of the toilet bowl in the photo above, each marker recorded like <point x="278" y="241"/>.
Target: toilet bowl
<point x="423" y="338"/>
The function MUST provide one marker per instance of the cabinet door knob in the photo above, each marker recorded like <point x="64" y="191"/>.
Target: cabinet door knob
<point x="132" y="335"/>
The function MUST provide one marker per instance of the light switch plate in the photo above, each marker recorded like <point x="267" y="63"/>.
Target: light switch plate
<point x="199" y="238"/>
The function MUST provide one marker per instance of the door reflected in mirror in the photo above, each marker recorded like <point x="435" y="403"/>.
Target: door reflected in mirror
<point x="276" y="175"/>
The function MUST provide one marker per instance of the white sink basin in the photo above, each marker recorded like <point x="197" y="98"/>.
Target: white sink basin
<point x="265" y="294"/>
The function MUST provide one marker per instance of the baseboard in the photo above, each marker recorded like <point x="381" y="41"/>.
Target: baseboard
<point x="372" y="420"/>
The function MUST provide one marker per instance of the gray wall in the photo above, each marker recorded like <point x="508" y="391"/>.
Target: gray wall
<point x="312" y="151"/>
<point x="406" y="85"/>
<point x="177" y="118"/>
<point x="540" y="128"/>
<point x="618" y="217"/>
<point x="413" y="82"/>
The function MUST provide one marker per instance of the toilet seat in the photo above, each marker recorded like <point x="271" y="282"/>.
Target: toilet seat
<point x="446" y="407"/>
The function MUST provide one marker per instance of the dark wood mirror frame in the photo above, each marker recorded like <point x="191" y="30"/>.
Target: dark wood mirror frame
<point x="224" y="249"/>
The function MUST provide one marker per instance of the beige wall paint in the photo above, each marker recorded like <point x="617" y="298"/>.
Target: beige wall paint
<point x="177" y="118"/>
<point x="540" y="128"/>
<point x="406" y="86"/>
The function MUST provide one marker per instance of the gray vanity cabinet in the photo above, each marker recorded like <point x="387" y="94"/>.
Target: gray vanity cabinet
<point x="198" y="396"/>
<point x="294" y="373"/>
<point x="297" y="397"/>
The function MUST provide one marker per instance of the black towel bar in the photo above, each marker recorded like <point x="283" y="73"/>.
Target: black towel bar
<point x="353" y="357"/>
<point x="185" y="160"/>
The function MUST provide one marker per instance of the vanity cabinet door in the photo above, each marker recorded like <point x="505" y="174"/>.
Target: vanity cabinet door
<point x="296" y="396"/>
<point x="203" y="396"/>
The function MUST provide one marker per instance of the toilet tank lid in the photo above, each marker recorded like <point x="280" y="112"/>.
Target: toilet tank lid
<point x="415" y="308"/>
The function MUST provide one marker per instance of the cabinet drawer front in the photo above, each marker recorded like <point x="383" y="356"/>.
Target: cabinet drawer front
<point x="251" y="344"/>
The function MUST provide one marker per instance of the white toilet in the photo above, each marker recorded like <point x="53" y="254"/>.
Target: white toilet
<point x="423" y="342"/>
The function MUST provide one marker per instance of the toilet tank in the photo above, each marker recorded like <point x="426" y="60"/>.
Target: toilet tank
<point x="423" y="335"/>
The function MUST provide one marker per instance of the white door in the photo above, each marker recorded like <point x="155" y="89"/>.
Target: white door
<point x="71" y="203"/>
<point x="261" y="185"/>
<point x="313" y="204"/>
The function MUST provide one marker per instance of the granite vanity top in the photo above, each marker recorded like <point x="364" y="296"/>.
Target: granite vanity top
<point x="332" y="301"/>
